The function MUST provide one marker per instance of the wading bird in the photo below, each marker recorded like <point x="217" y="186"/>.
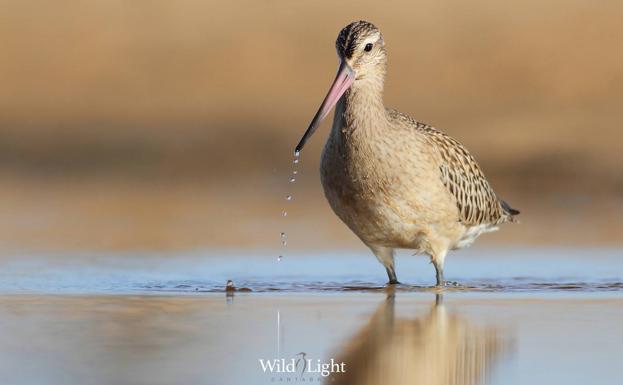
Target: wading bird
<point x="396" y="182"/>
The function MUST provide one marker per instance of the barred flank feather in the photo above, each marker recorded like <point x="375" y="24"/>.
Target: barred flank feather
<point x="460" y="173"/>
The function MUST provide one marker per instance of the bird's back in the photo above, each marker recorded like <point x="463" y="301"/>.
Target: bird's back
<point x="463" y="178"/>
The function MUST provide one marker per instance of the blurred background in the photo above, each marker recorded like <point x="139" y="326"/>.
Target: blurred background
<point x="161" y="125"/>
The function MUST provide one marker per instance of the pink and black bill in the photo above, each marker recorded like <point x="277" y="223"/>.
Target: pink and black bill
<point x="343" y="80"/>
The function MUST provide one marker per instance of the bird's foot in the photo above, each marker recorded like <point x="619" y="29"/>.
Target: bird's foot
<point x="393" y="282"/>
<point x="447" y="284"/>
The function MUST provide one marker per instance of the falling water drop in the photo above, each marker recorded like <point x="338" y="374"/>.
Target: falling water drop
<point x="289" y="197"/>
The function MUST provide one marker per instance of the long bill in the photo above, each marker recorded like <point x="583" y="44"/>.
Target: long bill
<point x="343" y="80"/>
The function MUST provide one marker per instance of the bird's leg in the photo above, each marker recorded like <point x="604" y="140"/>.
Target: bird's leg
<point x="439" y="270"/>
<point x="437" y="258"/>
<point x="441" y="282"/>
<point x="391" y="274"/>
<point x="385" y="255"/>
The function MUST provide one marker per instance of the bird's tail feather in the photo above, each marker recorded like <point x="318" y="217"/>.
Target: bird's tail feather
<point x="509" y="210"/>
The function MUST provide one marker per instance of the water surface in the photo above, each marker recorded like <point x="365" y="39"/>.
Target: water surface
<point x="500" y="270"/>
<point x="524" y="316"/>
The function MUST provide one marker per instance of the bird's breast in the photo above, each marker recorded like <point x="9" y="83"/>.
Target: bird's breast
<point x="367" y="191"/>
<point x="386" y="186"/>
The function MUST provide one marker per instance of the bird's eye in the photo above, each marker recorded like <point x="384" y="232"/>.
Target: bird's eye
<point x="368" y="47"/>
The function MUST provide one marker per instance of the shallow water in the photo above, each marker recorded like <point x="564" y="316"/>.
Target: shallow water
<point x="497" y="270"/>
<point x="526" y="316"/>
<point x="415" y="338"/>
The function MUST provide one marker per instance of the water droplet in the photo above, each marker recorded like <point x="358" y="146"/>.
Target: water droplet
<point x="289" y="198"/>
<point x="294" y="172"/>
<point x="284" y="242"/>
<point x="297" y="153"/>
<point x="283" y="235"/>
<point x="292" y="179"/>
<point x="279" y="258"/>
<point x="284" y="213"/>
<point x="295" y="161"/>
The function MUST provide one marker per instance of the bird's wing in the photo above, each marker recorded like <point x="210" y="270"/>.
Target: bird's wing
<point x="475" y="199"/>
<point x="460" y="173"/>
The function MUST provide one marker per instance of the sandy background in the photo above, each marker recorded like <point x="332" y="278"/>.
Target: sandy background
<point x="170" y="125"/>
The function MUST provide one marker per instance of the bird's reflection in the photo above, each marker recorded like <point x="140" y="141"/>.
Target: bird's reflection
<point x="435" y="348"/>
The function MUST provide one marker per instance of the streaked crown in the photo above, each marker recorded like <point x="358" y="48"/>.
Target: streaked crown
<point x="352" y="35"/>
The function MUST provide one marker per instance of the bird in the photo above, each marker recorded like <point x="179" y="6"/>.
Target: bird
<point x="397" y="183"/>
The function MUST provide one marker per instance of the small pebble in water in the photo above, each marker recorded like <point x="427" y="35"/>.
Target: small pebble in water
<point x="289" y="198"/>
<point x="284" y="213"/>
<point x="229" y="287"/>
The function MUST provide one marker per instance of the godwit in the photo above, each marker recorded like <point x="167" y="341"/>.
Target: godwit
<point x="396" y="182"/>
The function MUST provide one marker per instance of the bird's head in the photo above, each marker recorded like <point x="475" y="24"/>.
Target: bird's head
<point x="363" y="59"/>
<point x="360" y="45"/>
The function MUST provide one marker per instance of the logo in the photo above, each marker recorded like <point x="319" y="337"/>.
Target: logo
<point x="302" y="367"/>
<point x="299" y="368"/>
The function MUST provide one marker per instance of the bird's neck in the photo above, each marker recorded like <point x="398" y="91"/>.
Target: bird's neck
<point x="361" y="108"/>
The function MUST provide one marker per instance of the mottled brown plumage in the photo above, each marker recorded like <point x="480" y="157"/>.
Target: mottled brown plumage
<point x="396" y="182"/>
<point x="460" y="173"/>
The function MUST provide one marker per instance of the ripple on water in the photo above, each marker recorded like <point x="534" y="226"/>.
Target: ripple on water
<point x="362" y="286"/>
<point x="545" y="271"/>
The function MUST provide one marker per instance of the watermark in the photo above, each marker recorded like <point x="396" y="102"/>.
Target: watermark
<point x="300" y="368"/>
